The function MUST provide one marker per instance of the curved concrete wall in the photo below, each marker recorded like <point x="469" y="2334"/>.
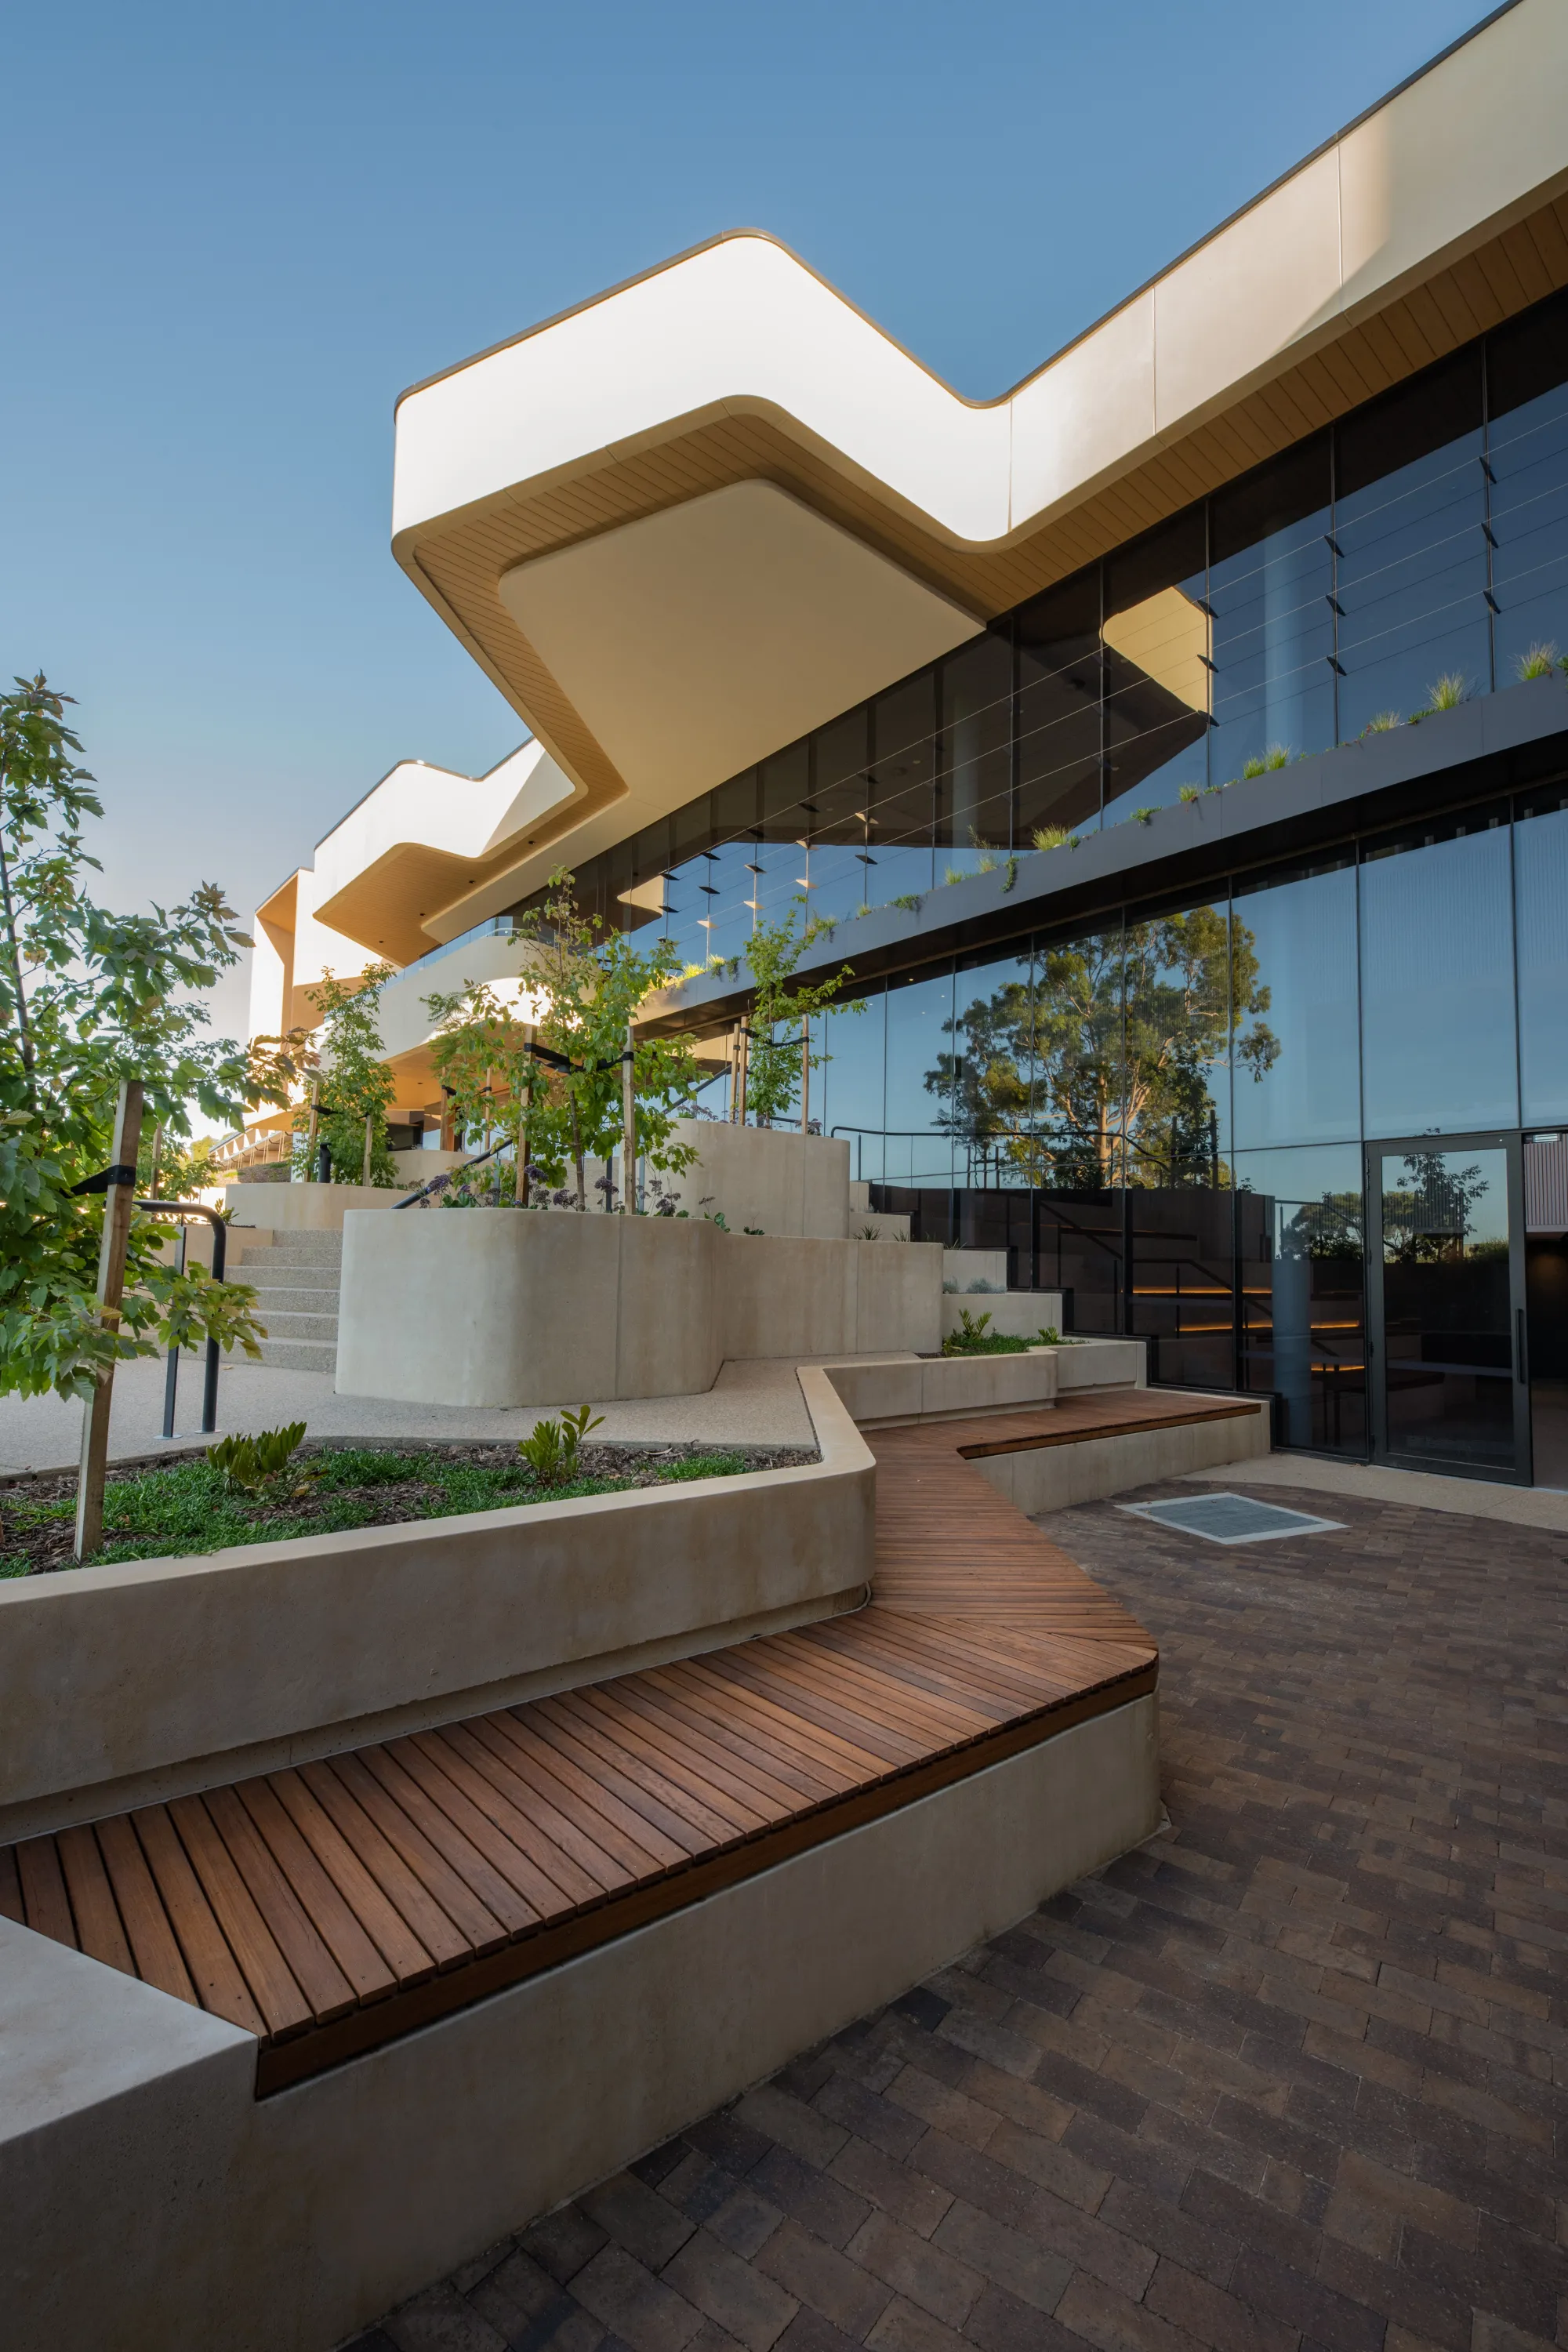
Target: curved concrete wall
<point x="121" y="1685"/>
<point x="498" y="1306"/>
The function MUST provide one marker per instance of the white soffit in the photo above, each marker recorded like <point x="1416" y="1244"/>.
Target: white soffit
<point x="698" y="640"/>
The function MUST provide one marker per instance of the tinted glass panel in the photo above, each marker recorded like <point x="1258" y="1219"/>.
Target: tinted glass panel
<point x="1301" y="1276"/>
<point x="1409" y="521"/>
<point x="1156" y="637"/>
<point x="1057" y="637"/>
<point x="1447" y="1305"/>
<point x="1527" y="445"/>
<point x="1270" y="587"/>
<point x="1437" y="1035"/>
<point x="919" y="1120"/>
<point x="989" y="1068"/>
<point x="1177" y="992"/>
<point x="1181" y="1239"/>
<point x="975" y="782"/>
<point x="837" y="831"/>
<point x="1078" y="1062"/>
<point x="1296" y="1074"/>
<point x="849" y="1088"/>
<point x="1541" y="905"/>
<point x="903" y="774"/>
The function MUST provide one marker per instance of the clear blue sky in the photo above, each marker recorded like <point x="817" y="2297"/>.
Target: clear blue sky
<point x="233" y="236"/>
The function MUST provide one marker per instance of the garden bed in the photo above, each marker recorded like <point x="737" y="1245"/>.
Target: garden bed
<point x="176" y="1509"/>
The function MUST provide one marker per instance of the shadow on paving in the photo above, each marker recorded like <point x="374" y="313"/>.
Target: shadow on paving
<point x="1286" y="2077"/>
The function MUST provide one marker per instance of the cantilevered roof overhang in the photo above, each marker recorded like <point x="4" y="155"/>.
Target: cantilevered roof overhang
<point x="682" y="524"/>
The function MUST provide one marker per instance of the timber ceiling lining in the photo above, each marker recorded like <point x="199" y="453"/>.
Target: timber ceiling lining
<point x="464" y="559"/>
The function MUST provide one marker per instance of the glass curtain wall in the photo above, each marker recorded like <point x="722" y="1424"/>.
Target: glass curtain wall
<point x="1413" y="554"/>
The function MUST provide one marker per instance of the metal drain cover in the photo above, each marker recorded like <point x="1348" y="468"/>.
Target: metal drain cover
<point x="1229" y="1518"/>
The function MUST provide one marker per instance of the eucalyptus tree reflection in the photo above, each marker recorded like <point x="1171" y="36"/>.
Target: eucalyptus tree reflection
<point x="1102" y="1073"/>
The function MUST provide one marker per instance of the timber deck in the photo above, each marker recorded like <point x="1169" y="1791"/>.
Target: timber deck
<point x="331" y="1907"/>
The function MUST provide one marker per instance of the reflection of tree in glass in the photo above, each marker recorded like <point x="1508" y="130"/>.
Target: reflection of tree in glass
<point x="1098" y="1075"/>
<point x="1428" y="1217"/>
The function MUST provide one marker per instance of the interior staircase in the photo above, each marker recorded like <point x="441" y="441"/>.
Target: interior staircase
<point x="296" y="1278"/>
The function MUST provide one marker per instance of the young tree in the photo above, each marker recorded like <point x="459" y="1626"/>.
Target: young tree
<point x="780" y="1050"/>
<point x="354" y="1082"/>
<point x="88" y="998"/>
<point x="585" y="987"/>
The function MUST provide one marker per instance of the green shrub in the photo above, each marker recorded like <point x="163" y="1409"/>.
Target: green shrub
<point x="550" y="1450"/>
<point x="249" y="1466"/>
<point x="1538" y="661"/>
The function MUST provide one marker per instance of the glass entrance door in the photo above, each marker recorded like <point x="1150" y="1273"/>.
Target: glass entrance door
<point x="1446" y="1301"/>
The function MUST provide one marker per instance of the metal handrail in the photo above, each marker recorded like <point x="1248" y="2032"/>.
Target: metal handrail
<point x="185" y="1210"/>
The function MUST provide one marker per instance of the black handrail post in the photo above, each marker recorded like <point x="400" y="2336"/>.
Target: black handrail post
<point x="209" y="1387"/>
<point x="184" y="1209"/>
<point x="171" y="1376"/>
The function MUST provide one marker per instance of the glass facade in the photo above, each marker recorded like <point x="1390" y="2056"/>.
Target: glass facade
<point x="1413" y="554"/>
<point x="1167" y="1113"/>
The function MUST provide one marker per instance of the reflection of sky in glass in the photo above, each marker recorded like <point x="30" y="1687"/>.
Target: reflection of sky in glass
<point x="1540" y="899"/>
<point x="1303" y="935"/>
<point x="1453" y="1199"/>
<point x="917" y="1037"/>
<point x="1437" y="987"/>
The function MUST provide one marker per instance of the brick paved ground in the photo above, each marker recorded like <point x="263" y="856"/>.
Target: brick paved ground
<point x="1292" y="2076"/>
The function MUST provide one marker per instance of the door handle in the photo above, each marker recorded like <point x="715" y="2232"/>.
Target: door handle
<point x="1522" y="1369"/>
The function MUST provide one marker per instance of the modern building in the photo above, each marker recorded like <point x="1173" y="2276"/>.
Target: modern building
<point x="1175" y="747"/>
<point x="390" y="885"/>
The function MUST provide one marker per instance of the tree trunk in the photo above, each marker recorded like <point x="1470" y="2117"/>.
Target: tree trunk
<point x="117" y="1206"/>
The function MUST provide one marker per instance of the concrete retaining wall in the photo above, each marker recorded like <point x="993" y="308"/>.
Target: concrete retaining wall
<point x="499" y="1306"/>
<point x="1014" y="1314"/>
<point x="1051" y="1477"/>
<point x="218" y="2224"/>
<point x="120" y="1686"/>
<point x="943" y="1388"/>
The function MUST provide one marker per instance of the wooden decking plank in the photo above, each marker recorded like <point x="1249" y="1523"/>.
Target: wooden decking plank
<point x="154" y="1946"/>
<point x="271" y="1980"/>
<point x="679" y="1732"/>
<point x="99" y="1930"/>
<point x="323" y="1902"/>
<point x="329" y="1907"/>
<point x="829" y="1764"/>
<point x="45" y="1902"/>
<point x="452" y="1922"/>
<point x="720" y="1683"/>
<point x="876" y="1681"/>
<point x="468" y="1867"/>
<point x="578" y="1792"/>
<point x="687" y="1817"/>
<point x="549" y="1876"/>
<point x="856" y="1697"/>
<point x="587" y="1871"/>
<point x="219" y="1982"/>
<point x="537" y="1894"/>
<point x="732" y="1803"/>
<point x="312" y="1965"/>
<point x="377" y="1915"/>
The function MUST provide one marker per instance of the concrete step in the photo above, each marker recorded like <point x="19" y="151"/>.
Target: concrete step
<point x="292" y="1248"/>
<point x="301" y="1355"/>
<point x="299" y="1327"/>
<point x="279" y="1298"/>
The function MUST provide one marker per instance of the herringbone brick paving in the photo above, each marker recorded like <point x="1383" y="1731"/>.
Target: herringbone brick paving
<point x="1295" y="2075"/>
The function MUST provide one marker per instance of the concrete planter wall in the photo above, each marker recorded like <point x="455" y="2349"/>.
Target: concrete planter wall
<point x="123" y="1685"/>
<point x="503" y="1306"/>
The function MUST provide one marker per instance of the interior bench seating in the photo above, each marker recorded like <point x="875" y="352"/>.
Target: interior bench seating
<point x="330" y="1907"/>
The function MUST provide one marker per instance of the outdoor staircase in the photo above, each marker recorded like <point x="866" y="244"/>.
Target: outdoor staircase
<point x="296" y="1279"/>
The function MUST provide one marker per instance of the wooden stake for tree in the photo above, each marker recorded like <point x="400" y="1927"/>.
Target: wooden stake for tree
<point x="365" y="1176"/>
<point x="804" y="1076"/>
<point x="117" y="1206"/>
